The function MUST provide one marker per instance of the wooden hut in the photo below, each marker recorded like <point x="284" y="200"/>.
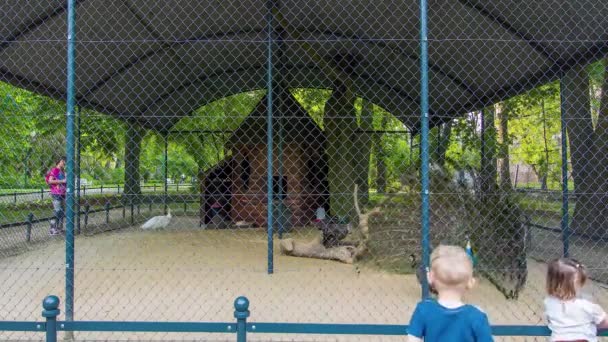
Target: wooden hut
<point x="299" y="167"/>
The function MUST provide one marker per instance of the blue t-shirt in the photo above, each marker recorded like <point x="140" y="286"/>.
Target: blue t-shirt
<point x="433" y="322"/>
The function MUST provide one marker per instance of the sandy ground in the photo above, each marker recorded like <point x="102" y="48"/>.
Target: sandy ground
<point x="190" y="274"/>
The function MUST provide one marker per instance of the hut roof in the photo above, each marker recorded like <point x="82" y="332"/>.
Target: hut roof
<point x="290" y="120"/>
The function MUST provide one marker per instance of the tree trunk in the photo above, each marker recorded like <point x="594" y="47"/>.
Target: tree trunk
<point x="439" y="142"/>
<point x="364" y="148"/>
<point x="488" y="171"/>
<point x="544" y="167"/>
<point x="600" y="172"/>
<point x="502" y="111"/>
<point x="444" y="141"/>
<point x="340" y="123"/>
<point x="587" y="151"/>
<point x="543" y="181"/>
<point x="500" y="235"/>
<point x="132" y="152"/>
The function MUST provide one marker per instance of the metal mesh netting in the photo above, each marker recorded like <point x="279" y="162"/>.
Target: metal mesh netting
<point x="250" y="132"/>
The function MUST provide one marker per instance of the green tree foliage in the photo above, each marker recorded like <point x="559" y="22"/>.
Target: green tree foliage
<point x="204" y="134"/>
<point x="534" y="125"/>
<point x="463" y="153"/>
<point x="29" y="136"/>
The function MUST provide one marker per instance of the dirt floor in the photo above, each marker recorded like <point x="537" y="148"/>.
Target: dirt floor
<point x="185" y="273"/>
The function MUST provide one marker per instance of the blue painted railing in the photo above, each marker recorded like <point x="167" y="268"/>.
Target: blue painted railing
<point x="240" y="327"/>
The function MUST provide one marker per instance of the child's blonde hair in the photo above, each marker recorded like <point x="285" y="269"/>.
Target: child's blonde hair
<point x="451" y="266"/>
<point x="564" y="277"/>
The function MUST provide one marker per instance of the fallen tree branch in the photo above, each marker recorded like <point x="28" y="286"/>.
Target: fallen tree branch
<point x="315" y="249"/>
<point x="345" y="253"/>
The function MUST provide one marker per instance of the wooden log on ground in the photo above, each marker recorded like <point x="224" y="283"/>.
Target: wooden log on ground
<point x="347" y="252"/>
<point x="315" y="249"/>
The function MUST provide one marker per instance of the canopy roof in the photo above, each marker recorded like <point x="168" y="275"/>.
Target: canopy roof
<point x="158" y="60"/>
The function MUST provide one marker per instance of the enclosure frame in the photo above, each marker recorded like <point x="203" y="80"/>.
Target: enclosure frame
<point x="73" y="212"/>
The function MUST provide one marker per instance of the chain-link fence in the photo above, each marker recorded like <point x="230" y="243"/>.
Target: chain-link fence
<point x="279" y="150"/>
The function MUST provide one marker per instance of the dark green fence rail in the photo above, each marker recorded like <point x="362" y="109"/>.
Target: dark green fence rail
<point x="240" y="328"/>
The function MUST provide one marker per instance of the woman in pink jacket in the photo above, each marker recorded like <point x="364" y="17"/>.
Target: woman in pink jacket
<point x="56" y="180"/>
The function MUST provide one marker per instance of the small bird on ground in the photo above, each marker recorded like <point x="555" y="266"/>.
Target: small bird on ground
<point x="158" y="222"/>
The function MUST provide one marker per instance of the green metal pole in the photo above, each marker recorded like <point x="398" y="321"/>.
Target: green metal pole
<point x="165" y="170"/>
<point x="269" y="104"/>
<point x="69" y="237"/>
<point x="283" y="94"/>
<point x="424" y="140"/>
<point x="482" y="137"/>
<point x="79" y="112"/>
<point x="565" y="214"/>
<point x="281" y="209"/>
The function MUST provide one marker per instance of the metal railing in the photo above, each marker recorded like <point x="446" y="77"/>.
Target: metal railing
<point x="28" y="196"/>
<point x="50" y="326"/>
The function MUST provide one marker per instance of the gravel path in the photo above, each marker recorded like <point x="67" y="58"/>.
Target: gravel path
<point x="185" y="273"/>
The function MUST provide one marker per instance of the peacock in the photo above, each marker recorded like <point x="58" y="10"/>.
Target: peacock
<point x="158" y="222"/>
<point x="470" y="251"/>
<point x="420" y="270"/>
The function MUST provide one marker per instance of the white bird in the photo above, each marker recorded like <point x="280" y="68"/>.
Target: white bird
<point x="158" y="222"/>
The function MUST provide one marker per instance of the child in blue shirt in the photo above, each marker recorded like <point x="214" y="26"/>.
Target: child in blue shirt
<point x="448" y="319"/>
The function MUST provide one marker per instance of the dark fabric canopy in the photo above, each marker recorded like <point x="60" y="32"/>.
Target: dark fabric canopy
<point x="158" y="60"/>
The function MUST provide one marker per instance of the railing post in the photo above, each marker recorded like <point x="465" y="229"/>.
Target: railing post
<point x="241" y="312"/>
<point x="42" y="194"/>
<point x="15" y="196"/>
<point x="50" y="311"/>
<point x="78" y="212"/>
<point x="101" y="190"/>
<point x="84" y="190"/>
<point x="107" y="208"/>
<point x="87" y="208"/>
<point x="28" y="233"/>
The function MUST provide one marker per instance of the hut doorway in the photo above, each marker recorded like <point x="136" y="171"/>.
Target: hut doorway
<point x="217" y="195"/>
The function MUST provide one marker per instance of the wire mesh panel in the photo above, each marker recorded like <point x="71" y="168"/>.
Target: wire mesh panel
<point x="504" y="174"/>
<point x="274" y="149"/>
